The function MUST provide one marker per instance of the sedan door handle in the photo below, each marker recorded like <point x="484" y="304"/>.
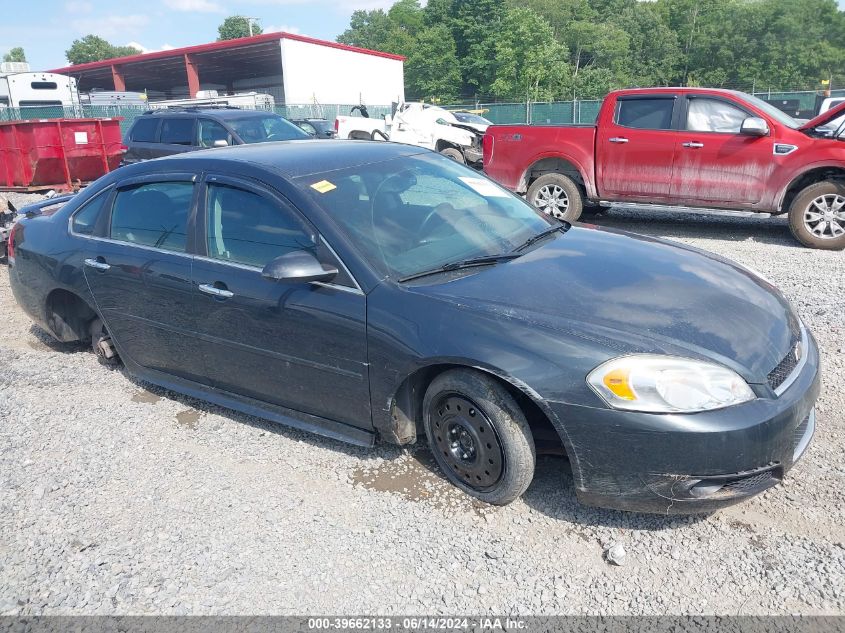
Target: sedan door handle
<point x="214" y="291"/>
<point x="693" y="145"/>
<point x="94" y="263"/>
<point x="618" y="139"/>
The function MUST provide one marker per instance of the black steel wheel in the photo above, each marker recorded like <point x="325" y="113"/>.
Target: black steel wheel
<point x="479" y="436"/>
<point x="467" y="440"/>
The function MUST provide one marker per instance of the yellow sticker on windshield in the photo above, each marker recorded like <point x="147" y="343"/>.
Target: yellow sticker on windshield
<point x="324" y="186"/>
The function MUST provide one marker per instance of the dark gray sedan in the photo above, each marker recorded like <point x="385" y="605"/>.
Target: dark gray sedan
<point x="374" y="290"/>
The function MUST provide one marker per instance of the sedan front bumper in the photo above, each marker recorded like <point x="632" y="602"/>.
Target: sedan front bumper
<point x="690" y="463"/>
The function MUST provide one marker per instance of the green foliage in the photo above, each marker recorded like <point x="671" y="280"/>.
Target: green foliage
<point x="477" y="26"/>
<point x="368" y="29"/>
<point x="236" y="26"/>
<point x="530" y="62"/>
<point x="557" y="49"/>
<point x="93" y="48"/>
<point x="15" y="55"/>
<point x="432" y="70"/>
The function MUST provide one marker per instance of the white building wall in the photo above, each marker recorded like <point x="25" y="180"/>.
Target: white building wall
<point x="331" y="75"/>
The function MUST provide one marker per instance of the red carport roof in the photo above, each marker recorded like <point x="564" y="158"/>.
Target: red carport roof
<point x="215" y="46"/>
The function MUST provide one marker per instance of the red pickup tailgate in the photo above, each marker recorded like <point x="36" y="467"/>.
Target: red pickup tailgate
<point x="511" y="150"/>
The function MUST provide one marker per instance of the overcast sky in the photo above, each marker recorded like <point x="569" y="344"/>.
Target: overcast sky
<point x="46" y="28"/>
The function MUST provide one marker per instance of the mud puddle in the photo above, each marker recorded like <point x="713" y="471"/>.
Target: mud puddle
<point x="147" y="397"/>
<point x="415" y="477"/>
<point x="189" y="418"/>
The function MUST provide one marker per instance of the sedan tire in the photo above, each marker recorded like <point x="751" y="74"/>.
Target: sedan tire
<point x="557" y="195"/>
<point x="479" y="436"/>
<point x="817" y="216"/>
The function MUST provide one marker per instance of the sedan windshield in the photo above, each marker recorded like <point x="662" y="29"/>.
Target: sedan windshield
<point x="417" y="213"/>
<point x="258" y="129"/>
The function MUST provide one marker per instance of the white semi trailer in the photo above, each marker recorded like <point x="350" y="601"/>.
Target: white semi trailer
<point x="20" y="88"/>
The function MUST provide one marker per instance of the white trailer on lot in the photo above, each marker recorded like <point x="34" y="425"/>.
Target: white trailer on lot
<point x="325" y="72"/>
<point x="20" y="88"/>
<point x="248" y="100"/>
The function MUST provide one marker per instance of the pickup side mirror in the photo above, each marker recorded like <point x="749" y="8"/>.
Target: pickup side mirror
<point x="297" y="266"/>
<point x="754" y="126"/>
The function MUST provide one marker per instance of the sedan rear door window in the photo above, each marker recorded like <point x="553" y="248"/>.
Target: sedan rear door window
<point x="85" y="220"/>
<point x="153" y="214"/>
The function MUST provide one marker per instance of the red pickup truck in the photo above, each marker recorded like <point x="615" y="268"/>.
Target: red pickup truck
<point x="682" y="147"/>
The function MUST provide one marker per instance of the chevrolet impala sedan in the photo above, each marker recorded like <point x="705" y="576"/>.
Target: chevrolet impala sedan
<point x="375" y="291"/>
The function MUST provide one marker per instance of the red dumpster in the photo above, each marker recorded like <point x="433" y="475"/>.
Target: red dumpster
<point x="57" y="154"/>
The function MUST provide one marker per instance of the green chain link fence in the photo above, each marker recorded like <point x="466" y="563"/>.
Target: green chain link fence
<point x="130" y="113"/>
<point x="546" y="113"/>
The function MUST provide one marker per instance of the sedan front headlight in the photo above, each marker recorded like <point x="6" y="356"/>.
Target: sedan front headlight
<point x="667" y="384"/>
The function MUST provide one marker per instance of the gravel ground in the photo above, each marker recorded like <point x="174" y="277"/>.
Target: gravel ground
<point x="120" y="498"/>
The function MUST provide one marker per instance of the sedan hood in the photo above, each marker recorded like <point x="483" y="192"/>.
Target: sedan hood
<point x="630" y="290"/>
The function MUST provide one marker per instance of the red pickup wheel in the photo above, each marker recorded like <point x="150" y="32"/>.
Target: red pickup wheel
<point x="558" y="196"/>
<point x="817" y="216"/>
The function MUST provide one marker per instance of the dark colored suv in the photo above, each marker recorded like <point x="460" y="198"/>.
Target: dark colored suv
<point x="160" y="133"/>
<point x="318" y="128"/>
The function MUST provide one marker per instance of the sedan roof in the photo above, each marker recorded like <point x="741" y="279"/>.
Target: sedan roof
<point x="300" y="158"/>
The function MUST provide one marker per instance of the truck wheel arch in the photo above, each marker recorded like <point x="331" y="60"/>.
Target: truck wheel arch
<point x="555" y="164"/>
<point x="444" y="144"/>
<point x="805" y="179"/>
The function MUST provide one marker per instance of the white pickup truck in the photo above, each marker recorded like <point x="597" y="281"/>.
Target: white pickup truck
<point x="419" y="124"/>
<point x="827" y="104"/>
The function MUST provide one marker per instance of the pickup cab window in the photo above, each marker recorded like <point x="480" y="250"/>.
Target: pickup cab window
<point x="714" y="115"/>
<point x="645" y="114"/>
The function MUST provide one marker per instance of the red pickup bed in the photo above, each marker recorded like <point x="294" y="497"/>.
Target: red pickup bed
<point x="682" y="147"/>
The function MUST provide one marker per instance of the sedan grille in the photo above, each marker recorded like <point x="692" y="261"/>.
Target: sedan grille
<point x="750" y="485"/>
<point x="786" y="366"/>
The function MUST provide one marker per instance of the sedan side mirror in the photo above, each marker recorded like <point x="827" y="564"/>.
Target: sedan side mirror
<point x="297" y="266"/>
<point x="754" y="126"/>
<point x="220" y="143"/>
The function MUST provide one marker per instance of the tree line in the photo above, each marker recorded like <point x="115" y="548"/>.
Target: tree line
<point x="93" y="48"/>
<point x="561" y="49"/>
